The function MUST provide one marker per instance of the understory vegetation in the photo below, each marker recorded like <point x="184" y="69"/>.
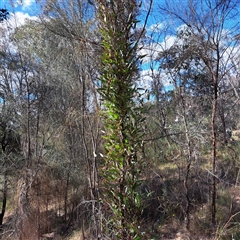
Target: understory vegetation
<point x="120" y="120"/>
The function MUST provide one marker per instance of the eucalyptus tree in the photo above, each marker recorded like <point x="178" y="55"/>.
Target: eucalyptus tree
<point x="69" y="130"/>
<point x="21" y="84"/>
<point x="210" y="27"/>
<point x="76" y="60"/>
<point x="6" y="134"/>
<point x="10" y="157"/>
<point x="181" y="137"/>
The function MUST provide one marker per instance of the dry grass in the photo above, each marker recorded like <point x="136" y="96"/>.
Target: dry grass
<point x="236" y="135"/>
<point x="77" y="235"/>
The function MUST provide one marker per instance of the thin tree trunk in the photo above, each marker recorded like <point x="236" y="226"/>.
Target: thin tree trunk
<point x="66" y="195"/>
<point x="214" y="153"/>
<point x="189" y="163"/>
<point x="4" y="199"/>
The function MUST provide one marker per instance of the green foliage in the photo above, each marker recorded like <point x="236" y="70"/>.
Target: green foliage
<point x="123" y="118"/>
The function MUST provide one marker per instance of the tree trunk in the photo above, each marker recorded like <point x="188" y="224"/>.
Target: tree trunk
<point x="214" y="152"/>
<point x="4" y="199"/>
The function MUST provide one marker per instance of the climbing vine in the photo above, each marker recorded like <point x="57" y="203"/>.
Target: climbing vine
<point x="123" y="118"/>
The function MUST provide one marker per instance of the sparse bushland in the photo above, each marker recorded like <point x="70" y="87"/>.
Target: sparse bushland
<point x="84" y="155"/>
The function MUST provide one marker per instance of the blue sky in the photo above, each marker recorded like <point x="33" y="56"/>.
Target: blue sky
<point x="28" y="8"/>
<point x="25" y="6"/>
<point x="17" y="5"/>
<point x="23" y="9"/>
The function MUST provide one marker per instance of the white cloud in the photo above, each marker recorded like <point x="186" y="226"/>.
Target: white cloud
<point x="156" y="27"/>
<point x="17" y="19"/>
<point x="147" y="77"/>
<point x="168" y="42"/>
<point x="151" y="51"/>
<point x="24" y="3"/>
<point x="27" y="3"/>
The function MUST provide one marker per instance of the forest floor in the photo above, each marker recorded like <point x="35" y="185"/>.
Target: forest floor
<point x="173" y="229"/>
<point x="167" y="222"/>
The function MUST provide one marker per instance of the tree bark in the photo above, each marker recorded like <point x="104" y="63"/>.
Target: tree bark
<point x="214" y="151"/>
<point x="4" y="199"/>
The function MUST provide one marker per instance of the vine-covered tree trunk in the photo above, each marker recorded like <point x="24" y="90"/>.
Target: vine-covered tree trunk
<point x="122" y="163"/>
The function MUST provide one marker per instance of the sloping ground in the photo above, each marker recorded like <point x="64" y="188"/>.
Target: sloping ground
<point x="163" y="216"/>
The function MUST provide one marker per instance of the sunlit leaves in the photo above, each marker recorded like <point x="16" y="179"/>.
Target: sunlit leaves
<point x="122" y="164"/>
